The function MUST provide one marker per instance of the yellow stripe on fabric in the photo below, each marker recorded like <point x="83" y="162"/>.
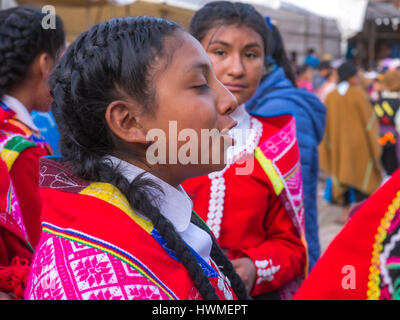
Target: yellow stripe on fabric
<point x="110" y="194"/>
<point x="109" y="251"/>
<point x="370" y="122"/>
<point x="367" y="175"/>
<point x="386" y="106"/>
<point x="305" y="243"/>
<point x="269" y="169"/>
<point x="9" y="157"/>
<point x="379" y="112"/>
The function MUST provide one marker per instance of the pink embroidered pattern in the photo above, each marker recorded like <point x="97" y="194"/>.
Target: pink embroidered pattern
<point x="276" y="148"/>
<point x="66" y="270"/>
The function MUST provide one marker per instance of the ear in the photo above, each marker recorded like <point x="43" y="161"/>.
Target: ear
<point x="45" y="64"/>
<point x="122" y="118"/>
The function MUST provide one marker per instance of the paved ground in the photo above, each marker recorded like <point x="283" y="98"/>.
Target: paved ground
<point x="327" y="214"/>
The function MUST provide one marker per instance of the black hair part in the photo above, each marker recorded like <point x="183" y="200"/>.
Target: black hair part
<point x="219" y="13"/>
<point x="22" y="38"/>
<point x="115" y="59"/>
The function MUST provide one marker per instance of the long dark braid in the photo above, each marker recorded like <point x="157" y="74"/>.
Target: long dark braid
<point x="110" y="58"/>
<point x="223" y="263"/>
<point x="22" y="38"/>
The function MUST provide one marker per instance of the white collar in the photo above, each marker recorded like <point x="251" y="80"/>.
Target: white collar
<point x="175" y="204"/>
<point x="20" y="110"/>
<point x="240" y="131"/>
<point x="342" y="87"/>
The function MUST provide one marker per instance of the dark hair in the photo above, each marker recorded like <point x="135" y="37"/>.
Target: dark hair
<point x="346" y="70"/>
<point x="219" y="13"/>
<point x="113" y="59"/>
<point x="325" y="65"/>
<point x="22" y="38"/>
<point x="301" y="69"/>
<point x="276" y="50"/>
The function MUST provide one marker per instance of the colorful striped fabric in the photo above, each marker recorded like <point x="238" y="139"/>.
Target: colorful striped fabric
<point x="108" y="248"/>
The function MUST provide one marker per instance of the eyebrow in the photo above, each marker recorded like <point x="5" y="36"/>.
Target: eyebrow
<point x="198" y="65"/>
<point x="253" y="44"/>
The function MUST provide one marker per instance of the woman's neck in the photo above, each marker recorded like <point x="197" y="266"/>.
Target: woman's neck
<point x="23" y="96"/>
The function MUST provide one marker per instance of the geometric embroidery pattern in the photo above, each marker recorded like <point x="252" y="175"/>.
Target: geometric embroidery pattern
<point x="64" y="269"/>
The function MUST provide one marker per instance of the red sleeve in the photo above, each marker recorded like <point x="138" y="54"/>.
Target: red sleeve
<point x="25" y="177"/>
<point x="281" y="257"/>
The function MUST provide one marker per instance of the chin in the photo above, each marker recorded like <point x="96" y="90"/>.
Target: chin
<point x="205" y="169"/>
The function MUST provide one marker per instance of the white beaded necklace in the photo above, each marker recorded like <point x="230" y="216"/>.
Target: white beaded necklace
<point x="217" y="189"/>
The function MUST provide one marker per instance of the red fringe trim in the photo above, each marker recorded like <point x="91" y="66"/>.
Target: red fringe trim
<point x="13" y="278"/>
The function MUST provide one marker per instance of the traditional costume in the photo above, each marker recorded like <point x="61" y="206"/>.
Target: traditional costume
<point x="21" y="146"/>
<point x="258" y="213"/>
<point x="15" y="250"/>
<point x="94" y="246"/>
<point x="363" y="261"/>
<point x="350" y="151"/>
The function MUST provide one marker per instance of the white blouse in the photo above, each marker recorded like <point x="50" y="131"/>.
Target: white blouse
<point x="20" y="110"/>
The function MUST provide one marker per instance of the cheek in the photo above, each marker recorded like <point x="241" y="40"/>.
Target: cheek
<point x="254" y="73"/>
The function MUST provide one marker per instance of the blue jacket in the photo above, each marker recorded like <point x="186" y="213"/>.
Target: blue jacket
<point x="45" y="122"/>
<point x="276" y="95"/>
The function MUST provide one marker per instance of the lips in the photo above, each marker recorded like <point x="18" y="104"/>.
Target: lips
<point x="235" y="87"/>
<point x="232" y="124"/>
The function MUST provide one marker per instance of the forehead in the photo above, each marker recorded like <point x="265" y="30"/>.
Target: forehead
<point x="187" y="54"/>
<point x="233" y="34"/>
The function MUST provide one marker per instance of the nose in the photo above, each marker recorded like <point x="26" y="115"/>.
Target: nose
<point x="226" y="101"/>
<point x="236" y="67"/>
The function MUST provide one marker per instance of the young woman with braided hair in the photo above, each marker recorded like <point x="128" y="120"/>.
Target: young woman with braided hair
<point x="115" y="224"/>
<point x="27" y="56"/>
<point x="255" y="209"/>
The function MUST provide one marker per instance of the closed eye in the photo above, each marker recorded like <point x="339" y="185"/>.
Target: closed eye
<point x="202" y="87"/>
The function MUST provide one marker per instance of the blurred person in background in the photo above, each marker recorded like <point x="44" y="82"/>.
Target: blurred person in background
<point x="322" y="74"/>
<point x="304" y="77"/>
<point x="387" y="111"/>
<point x="350" y="151"/>
<point x="28" y="53"/>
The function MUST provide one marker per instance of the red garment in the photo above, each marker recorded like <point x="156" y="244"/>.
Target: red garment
<point x="25" y="176"/>
<point x="255" y="223"/>
<point x="93" y="246"/>
<point x="353" y="265"/>
<point x="15" y="253"/>
<point x="27" y="189"/>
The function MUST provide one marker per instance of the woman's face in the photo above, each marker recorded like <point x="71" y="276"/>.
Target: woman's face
<point x="237" y="56"/>
<point x="190" y="100"/>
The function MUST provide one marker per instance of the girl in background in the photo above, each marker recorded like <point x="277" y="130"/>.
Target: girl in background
<point x="28" y="53"/>
<point x="254" y="210"/>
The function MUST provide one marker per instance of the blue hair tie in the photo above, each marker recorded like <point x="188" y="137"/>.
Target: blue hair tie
<point x="269" y="23"/>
